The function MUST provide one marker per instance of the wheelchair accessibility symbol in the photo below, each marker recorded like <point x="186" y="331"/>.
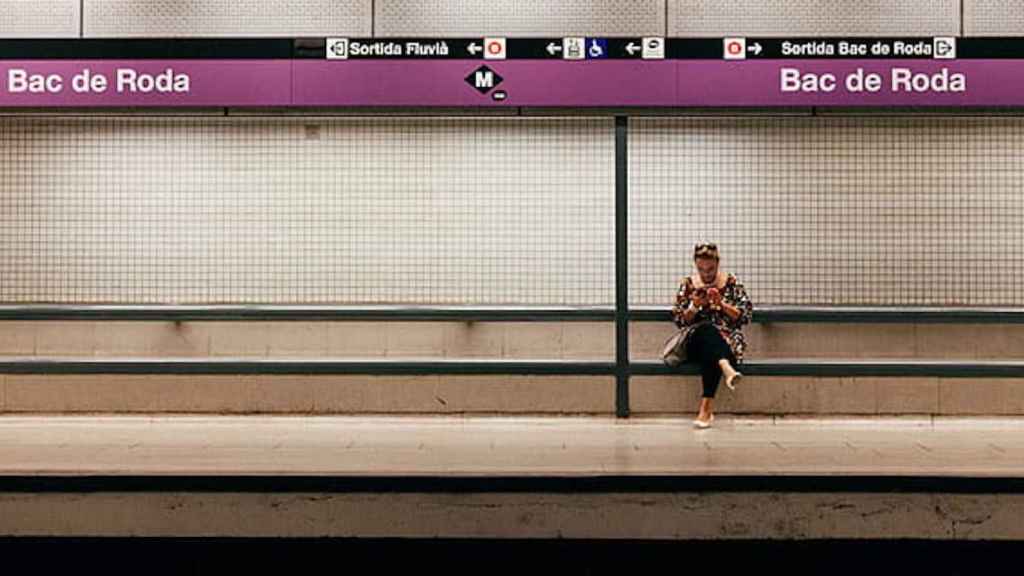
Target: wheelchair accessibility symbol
<point x="597" y="48"/>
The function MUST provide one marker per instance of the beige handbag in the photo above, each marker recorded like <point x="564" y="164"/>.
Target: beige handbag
<point x="673" y="353"/>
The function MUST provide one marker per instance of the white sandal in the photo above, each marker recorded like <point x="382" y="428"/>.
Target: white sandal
<point x="730" y="384"/>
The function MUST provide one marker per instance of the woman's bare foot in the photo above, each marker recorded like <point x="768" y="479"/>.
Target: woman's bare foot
<point x="704" y="416"/>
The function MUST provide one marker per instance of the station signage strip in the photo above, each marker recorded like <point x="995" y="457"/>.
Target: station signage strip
<point x="654" y="48"/>
<point x="497" y="72"/>
<point x="569" y="49"/>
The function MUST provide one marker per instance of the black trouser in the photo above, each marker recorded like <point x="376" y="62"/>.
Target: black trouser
<point x="706" y="347"/>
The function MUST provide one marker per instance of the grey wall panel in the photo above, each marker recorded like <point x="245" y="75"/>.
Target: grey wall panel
<point x="519" y="17"/>
<point x="994" y="17"/>
<point x="813" y="17"/>
<point x="109" y="18"/>
<point x="39" y="18"/>
<point x="872" y="211"/>
<point x="455" y="211"/>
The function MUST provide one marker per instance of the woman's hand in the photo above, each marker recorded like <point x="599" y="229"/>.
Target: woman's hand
<point x="699" y="300"/>
<point x="715" y="298"/>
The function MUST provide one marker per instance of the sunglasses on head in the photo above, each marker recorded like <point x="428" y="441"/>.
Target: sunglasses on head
<point x="703" y="248"/>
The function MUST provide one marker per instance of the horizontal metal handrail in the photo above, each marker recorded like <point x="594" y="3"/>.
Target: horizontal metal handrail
<point x="762" y="314"/>
<point x="457" y="366"/>
<point x="361" y="366"/>
<point x="199" y="313"/>
<point x="854" y="367"/>
<point x="861" y="314"/>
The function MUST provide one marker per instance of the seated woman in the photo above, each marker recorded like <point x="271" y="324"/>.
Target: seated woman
<point x="712" y="307"/>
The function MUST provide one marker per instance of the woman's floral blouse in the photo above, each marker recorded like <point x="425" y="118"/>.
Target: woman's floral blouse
<point x="731" y="330"/>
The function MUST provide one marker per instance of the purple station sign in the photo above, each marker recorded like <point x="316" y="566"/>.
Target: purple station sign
<point x="616" y="73"/>
<point x="144" y="83"/>
<point x="665" y="84"/>
<point x="852" y="83"/>
<point x="469" y="83"/>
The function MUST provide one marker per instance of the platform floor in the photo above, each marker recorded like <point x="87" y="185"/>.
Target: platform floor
<point x="507" y="446"/>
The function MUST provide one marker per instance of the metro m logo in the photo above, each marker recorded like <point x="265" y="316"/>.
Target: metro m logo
<point x="484" y="79"/>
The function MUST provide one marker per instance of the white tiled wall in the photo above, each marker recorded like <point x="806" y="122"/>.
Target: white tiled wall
<point x="813" y="17"/>
<point x="519" y="17"/>
<point x="168" y="18"/>
<point x="994" y="17"/>
<point x="827" y="210"/>
<point x="39" y="18"/>
<point x="454" y="211"/>
<point x="914" y="211"/>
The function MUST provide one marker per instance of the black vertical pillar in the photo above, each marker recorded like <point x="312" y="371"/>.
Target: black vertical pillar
<point x="621" y="268"/>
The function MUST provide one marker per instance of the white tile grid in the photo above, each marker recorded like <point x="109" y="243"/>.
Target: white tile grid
<point x="814" y="18"/>
<point x="519" y="18"/>
<point x="494" y="211"/>
<point x="869" y="211"/>
<point x="39" y="18"/>
<point x="169" y="18"/>
<point x="806" y="210"/>
<point x="993" y="17"/>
